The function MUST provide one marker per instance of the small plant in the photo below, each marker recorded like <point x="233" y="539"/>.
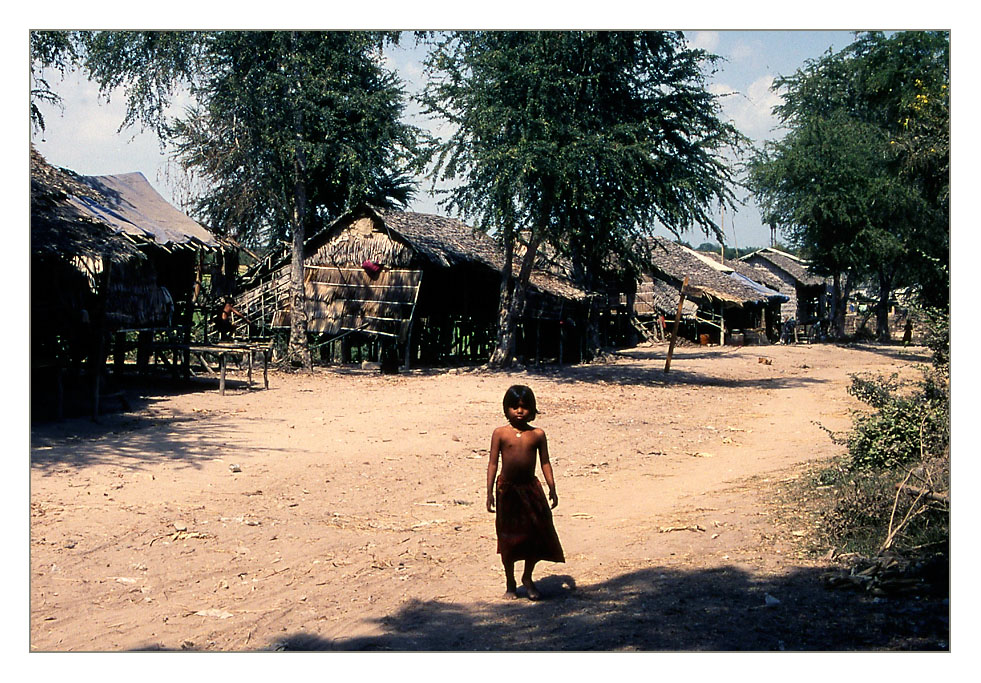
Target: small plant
<point x="890" y="491"/>
<point x="906" y="425"/>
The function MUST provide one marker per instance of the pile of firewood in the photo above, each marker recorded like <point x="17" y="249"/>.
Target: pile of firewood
<point x="891" y="575"/>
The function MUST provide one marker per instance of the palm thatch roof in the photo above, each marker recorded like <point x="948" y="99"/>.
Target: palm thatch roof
<point x="756" y="274"/>
<point x="441" y="240"/>
<point x="793" y="266"/>
<point x="707" y="279"/>
<point x="447" y="242"/>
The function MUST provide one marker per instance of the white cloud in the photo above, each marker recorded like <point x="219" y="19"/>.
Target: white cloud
<point x="704" y="40"/>
<point x="742" y="52"/>
<point x="750" y="111"/>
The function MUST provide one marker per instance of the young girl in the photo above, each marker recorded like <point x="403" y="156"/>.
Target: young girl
<point x="524" y="519"/>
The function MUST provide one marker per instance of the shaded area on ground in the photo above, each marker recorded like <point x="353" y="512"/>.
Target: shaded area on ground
<point x="660" y="609"/>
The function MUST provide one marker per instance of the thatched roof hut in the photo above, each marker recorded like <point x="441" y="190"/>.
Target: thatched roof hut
<point x="782" y="263"/>
<point x="805" y="291"/>
<point x="89" y="223"/>
<point x="375" y="271"/>
<point x="107" y="253"/>
<point x="717" y="295"/>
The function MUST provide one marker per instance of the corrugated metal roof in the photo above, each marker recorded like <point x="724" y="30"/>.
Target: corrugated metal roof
<point x="130" y="205"/>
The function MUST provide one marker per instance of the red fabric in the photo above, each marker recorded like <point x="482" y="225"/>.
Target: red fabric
<point x="524" y="523"/>
<point x="371" y="268"/>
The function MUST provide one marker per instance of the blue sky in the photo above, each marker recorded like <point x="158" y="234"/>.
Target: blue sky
<point x="84" y="137"/>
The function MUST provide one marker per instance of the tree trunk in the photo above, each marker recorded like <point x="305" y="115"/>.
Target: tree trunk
<point x="591" y="335"/>
<point x="504" y="306"/>
<point x="882" y="308"/>
<point x="512" y="304"/>
<point x="299" y="351"/>
<point x="840" y="293"/>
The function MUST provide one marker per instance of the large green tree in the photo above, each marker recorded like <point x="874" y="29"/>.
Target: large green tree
<point x="851" y="183"/>
<point x="582" y="140"/>
<point x="293" y="128"/>
<point x="288" y="129"/>
<point x="51" y="52"/>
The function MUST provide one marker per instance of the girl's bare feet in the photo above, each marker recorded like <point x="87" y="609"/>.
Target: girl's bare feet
<point x="533" y="593"/>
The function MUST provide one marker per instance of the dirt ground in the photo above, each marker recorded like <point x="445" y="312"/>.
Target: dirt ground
<point x="344" y="510"/>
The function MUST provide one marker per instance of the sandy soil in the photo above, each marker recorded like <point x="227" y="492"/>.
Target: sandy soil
<point x="344" y="510"/>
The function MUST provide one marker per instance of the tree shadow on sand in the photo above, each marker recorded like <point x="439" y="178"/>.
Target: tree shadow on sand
<point x="657" y="609"/>
<point x="139" y="436"/>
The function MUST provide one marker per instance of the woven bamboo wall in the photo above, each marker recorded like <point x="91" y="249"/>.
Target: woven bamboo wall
<point x="349" y="299"/>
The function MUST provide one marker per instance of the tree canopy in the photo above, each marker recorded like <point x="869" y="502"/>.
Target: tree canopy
<point x="272" y="105"/>
<point x="583" y="140"/>
<point x="860" y="181"/>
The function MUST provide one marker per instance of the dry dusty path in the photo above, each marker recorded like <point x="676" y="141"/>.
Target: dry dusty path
<point x="354" y="517"/>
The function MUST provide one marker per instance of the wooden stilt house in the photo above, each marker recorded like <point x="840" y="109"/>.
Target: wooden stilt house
<point x="111" y="260"/>
<point x="411" y="287"/>
<point x="722" y="305"/>
<point x="807" y="294"/>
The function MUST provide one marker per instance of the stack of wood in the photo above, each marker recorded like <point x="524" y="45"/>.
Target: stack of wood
<point x="889" y="575"/>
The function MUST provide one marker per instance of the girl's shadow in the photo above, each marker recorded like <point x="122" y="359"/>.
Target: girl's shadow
<point x="554" y="587"/>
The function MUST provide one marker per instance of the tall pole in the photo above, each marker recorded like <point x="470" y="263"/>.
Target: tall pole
<point x="674" y="329"/>
<point x="722" y="240"/>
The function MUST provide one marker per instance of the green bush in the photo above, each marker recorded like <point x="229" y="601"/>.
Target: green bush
<point x="908" y="424"/>
<point x="903" y="440"/>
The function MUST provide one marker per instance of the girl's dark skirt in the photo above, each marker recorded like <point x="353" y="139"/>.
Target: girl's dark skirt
<point x="524" y="523"/>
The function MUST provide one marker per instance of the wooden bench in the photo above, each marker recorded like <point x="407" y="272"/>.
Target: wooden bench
<point x="244" y="350"/>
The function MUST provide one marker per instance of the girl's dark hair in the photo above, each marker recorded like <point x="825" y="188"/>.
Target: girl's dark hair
<point x="519" y="393"/>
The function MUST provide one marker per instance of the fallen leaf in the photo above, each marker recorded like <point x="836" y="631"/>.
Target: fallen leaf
<point x="217" y="613"/>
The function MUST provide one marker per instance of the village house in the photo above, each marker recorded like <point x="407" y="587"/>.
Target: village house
<point x="112" y="266"/>
<point x="807" y="294"/>
<point x="414" y="289"/>
<point x="722" y="305"/>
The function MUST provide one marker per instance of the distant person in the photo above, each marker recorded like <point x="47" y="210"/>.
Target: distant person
<point x="787" y="332"/>
<point x="908" y="332"/>
<point x="524" y="518"/>
<point x="225" y="322"/>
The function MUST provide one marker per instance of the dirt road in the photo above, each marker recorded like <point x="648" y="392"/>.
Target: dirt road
<point x="345" y="510"/>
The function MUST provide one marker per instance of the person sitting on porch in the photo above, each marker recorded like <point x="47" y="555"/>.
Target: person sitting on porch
<point x="225" y="323"/>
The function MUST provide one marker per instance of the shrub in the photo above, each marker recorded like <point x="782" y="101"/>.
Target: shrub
<point x="908" y="424"/>
<point x="903" y="440"/>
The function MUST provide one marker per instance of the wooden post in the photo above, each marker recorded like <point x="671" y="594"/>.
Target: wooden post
<point x="221" y="381"/>
<point x="722" y="325"/>
<point x="674" y="329"/>
<point x="119" y="352"/>
<point x="143" y="340"/>
<point x="408" y="347"/>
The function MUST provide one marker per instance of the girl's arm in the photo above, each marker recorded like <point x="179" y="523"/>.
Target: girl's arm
<point x="495" y="454"/>
<point x="547" y="470"/>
